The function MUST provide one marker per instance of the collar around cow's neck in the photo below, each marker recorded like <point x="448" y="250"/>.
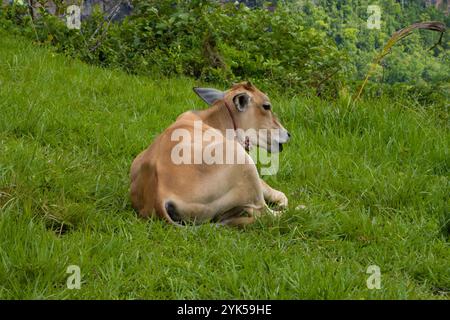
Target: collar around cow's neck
<point x="231" y="114"/>
<point x="246" y="142"/>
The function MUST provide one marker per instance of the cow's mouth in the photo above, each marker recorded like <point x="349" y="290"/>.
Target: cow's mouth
<point x="278" y="147"/>
<point x="247" y="144"/>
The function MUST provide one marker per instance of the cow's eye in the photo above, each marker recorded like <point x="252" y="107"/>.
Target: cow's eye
<point x="267" y="106"/>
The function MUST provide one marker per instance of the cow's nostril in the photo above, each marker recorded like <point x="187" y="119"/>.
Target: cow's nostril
<point x="289" y="135"/>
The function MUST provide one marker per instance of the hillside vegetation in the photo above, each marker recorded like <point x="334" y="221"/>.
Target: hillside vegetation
<point x="321" y="47"/>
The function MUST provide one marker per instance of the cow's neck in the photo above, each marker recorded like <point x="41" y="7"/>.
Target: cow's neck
<point x="218" y="117"/>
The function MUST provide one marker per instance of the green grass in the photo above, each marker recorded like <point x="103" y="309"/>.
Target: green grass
<point x="374" y="178"/>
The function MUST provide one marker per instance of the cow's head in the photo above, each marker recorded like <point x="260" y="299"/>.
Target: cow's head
<point x="252" y="114"/>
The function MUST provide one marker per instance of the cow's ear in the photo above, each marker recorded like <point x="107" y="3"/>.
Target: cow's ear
<point x="209" y="95"/>
<point x="241" y="101"/>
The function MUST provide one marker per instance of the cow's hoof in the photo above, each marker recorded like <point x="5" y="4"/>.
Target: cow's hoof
<point x="279" y="204"/>
<point x="281" y="201"/>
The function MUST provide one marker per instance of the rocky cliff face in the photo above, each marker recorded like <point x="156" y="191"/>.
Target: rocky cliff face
<point x="117" y="9"/>
<point x="124" y="7"/>
<point x="440" y="4"/>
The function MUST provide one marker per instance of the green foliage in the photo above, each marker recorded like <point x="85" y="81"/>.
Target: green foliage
<point x="310" y="47"/>
<point x="203" y="39"/>
<point x="410" y="62"/>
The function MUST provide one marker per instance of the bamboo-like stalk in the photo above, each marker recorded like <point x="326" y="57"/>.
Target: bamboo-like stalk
<point x="396" y="37"/>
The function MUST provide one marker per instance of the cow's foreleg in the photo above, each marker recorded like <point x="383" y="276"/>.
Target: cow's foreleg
<point x="274" y="196"/>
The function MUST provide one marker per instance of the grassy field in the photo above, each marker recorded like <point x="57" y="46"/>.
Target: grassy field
<point x="374" y="179"/>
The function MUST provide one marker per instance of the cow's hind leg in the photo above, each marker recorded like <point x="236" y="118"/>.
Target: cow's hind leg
<point x="238" y="221"/>
<point x="241" y="221"/>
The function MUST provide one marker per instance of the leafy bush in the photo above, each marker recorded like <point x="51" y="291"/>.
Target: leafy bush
<point x="207" y="40"/>
<point x="301" y="47"/>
